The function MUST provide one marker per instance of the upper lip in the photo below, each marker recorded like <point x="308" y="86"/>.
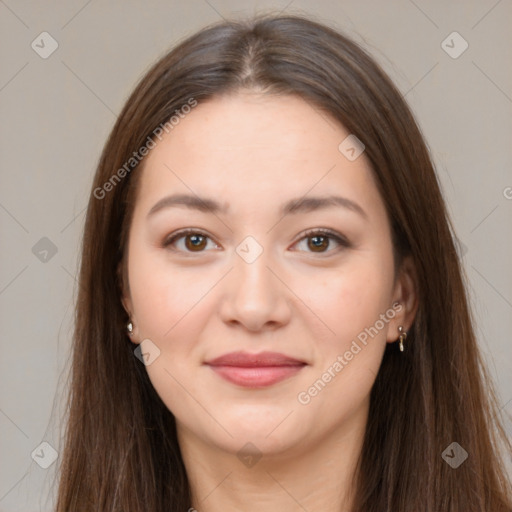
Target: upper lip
<point x="247" y="360"/>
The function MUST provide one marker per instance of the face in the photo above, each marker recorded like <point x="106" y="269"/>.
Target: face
<point x="310" y="284"/>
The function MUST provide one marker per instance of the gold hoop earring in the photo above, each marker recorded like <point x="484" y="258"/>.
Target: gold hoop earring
<point x="402" y="337"/>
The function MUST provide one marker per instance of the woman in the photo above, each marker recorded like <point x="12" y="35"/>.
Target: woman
<point x="271" y="311"/>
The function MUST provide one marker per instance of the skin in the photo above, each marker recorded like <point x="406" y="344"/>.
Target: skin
<point x="253" y="152"/>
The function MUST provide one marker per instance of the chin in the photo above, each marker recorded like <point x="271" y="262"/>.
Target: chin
<point x="269" y="431"/>
<point x="252" y="442"/>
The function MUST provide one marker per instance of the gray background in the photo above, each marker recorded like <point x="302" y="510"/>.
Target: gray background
<point x="59" y="110"/>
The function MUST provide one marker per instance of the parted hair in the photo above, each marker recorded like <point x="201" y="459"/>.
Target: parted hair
<point x="120" y="451"/>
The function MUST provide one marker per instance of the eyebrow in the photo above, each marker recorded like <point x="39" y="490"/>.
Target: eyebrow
<point x="293" y="206"/>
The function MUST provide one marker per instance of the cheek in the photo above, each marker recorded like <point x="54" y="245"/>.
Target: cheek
<point x="165" y="297"/>
<point x="349" y="360"/>
<point x="351" y="298"/>
<point x="170" y="306"/>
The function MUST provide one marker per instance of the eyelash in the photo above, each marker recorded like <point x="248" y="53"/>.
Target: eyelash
<point x="332" y="235"/>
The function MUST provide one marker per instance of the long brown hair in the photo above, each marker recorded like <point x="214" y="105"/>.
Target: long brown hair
<point x="121" y="451"/>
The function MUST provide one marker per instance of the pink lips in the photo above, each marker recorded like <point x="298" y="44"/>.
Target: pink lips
<point x="255" y="370"/>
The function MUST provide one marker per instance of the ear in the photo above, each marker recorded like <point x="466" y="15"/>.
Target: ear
<point x="406" y="294"/>
<point x="126" y="301"/>
<point x="124" y="289"/>
<point x="127" y="304"/>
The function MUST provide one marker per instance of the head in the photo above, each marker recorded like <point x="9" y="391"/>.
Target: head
<point x="256" y="123"/>
<point x="256" y="281"/>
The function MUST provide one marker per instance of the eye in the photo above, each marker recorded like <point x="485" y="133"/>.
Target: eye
<point x="195" y="241"/>
<point x="319" y="239"/>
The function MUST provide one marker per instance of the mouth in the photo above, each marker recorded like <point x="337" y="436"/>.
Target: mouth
<point x="255" y="370"/>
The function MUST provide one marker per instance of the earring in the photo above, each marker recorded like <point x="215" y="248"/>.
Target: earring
<point x="129" y="328"/>
<point x="402" y="337"/>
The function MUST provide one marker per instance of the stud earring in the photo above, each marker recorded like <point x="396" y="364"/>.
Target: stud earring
<point x="402" y="337"/>
<point x="129" y="327"/>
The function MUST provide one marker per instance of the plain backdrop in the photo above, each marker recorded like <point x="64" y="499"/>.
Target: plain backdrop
<point x="58" y="107"/>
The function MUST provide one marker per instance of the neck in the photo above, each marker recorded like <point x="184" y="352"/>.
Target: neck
<point x="312" y="476"/>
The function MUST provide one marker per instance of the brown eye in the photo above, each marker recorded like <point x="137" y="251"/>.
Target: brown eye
<point x="318" y="241"/>
<point x="194" y="241"/>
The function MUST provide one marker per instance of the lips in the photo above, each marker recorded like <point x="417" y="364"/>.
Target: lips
<point x="255" y="370"/>
<point x="246" y="360"/>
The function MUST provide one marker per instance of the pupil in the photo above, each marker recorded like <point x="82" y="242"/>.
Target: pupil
<point x="319" y="241"/>
<point x="196" y="241"/>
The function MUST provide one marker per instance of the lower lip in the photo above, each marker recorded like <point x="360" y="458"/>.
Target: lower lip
<point x="256" y="377"/>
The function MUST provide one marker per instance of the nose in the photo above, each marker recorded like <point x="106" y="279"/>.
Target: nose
<point x="256" y="296"/>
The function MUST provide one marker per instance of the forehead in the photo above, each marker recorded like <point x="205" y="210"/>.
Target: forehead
<point x="252" y="149"/>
